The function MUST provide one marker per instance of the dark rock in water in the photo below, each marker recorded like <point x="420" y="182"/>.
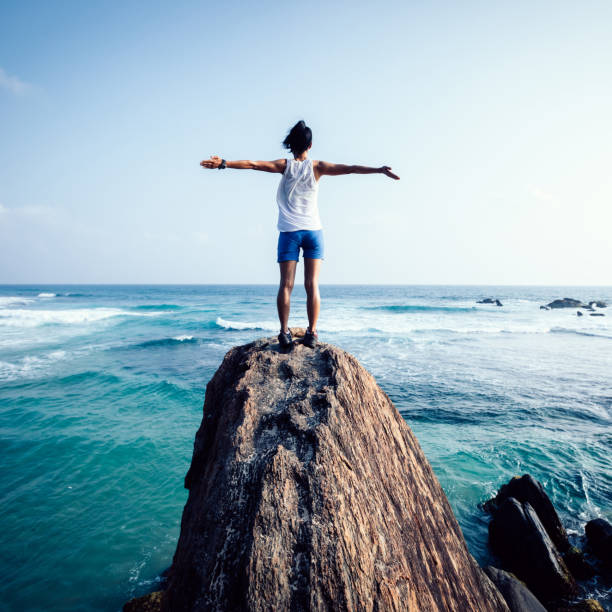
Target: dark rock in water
<point x="599" y="536"/>
<point x="597" y="314"/>
<point x="519" y="538"/>
<point x="526" y="489"/>
<point x="565" y="303"/>
<point x="308" y="491"/>
<point x="148" y="603"/>
<point x="598" y="303"/>
<point x="578" y="313"/>
<point x="585" y="605"/>
<point x="580" y="568"/>
<point x="544" y="308"/>
<point x="490" y="301"/>
<point x="518" y="597"/>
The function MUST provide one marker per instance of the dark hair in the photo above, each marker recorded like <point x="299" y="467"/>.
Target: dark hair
<point x="299" y="138"/>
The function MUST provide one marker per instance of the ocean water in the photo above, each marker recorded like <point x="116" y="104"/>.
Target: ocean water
<point x="101" y="392"/>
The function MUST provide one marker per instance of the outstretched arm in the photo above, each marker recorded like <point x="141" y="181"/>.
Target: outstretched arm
<point x="278" y="165"/>
<point x="323" y="168"/>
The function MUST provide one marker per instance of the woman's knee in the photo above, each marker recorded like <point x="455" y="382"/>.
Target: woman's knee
<point x="286" y="284"/>
<point x="311" y="286"/>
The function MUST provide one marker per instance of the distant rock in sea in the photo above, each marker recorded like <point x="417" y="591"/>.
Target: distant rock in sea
<point x="308" y="491"/>
<point x="490" y="301"/>
<point x="571" y="303"/>
<point x="565" y="303"/>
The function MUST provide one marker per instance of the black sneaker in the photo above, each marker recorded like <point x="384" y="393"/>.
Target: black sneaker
<point x="285" y="340"/>
<point x="310" y="339"/>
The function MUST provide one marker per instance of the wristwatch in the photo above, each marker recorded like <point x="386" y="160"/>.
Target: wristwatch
<point x="222" y="165"/>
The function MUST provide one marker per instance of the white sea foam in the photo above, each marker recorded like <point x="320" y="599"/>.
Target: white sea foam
<point x="12" y="300"/>
<point x="183" y="338"/>
<point x="21" y="317"/>
<point x="47" y="295"/>
<point x="240" y="325"/>
<point x="29" y="366"/>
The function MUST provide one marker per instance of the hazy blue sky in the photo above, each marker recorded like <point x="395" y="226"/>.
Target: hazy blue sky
<point x="496" y="115"/>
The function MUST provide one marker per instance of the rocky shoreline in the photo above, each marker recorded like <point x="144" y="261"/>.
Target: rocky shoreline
<point x="540" y="566"/>
<point x="308" y="491"/>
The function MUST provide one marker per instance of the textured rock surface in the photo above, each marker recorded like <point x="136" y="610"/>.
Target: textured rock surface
<point x="308" y="491"/>
<point x="518" y="597"/>
<point x="519" y="538"/>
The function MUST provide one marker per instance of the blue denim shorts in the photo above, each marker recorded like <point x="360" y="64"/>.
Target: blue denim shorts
<point x="310" y="241"/>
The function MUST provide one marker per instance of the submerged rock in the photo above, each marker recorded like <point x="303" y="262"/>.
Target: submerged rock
<point x="308" y="491"/>
<point x="598" y="303"/>
<point x="577" y="564"/>
<point x="519" y="538"/>
<point x="147" y="603"/>
<point x="599" y="536"/>
<point x="518" y="597"/>
<point x="585" y="605"/>
<point x="525" y="488"/>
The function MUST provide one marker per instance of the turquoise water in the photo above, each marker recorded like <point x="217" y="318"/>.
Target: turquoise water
<point x="101" y="392"/>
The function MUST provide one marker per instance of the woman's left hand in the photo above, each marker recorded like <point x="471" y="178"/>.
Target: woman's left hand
<point x="387" y="170"/>
<point x="213" y="162"/>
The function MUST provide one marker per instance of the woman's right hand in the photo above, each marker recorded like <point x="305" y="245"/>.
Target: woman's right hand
<point x="387" y="170"/>
<point x="213" y="162"/>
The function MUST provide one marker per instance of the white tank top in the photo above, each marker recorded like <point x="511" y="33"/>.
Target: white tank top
<point x="297" y="193"/>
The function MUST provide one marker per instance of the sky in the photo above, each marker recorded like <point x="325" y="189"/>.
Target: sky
<point x="496" y="115"/>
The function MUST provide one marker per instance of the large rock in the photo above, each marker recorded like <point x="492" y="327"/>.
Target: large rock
<point x="527" y="489"/>
<point x="308" y="491"/>
<point x="518" y="597"/>
<point x="519" y="538"/>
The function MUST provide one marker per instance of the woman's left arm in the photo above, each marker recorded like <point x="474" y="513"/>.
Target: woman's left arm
<point x="278" y="165"/>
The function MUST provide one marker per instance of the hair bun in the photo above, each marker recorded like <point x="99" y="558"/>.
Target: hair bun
<point x="299" y="138"/>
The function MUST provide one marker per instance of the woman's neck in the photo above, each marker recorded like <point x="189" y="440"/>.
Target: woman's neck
<point x="301" y="157"/>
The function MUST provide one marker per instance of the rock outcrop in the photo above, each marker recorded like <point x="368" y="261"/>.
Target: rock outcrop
<point x="525" y="488"/>
<point x="518" y="597"/>
<point x="517" y="535"/>
<point x="308" y="491"/>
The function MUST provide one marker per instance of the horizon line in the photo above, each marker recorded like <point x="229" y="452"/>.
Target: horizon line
<point x="55" y="284"/>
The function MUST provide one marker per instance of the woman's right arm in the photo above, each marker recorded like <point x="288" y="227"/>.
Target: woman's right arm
<point x="277" y="165"/>
<point x="323" y="168"/>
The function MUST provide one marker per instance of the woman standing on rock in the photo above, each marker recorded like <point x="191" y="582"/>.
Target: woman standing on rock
<point x="298" y="220"/>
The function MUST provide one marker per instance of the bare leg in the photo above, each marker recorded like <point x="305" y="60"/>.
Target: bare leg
<point x="283" y="300"/>
<point x="311" y="284"/>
